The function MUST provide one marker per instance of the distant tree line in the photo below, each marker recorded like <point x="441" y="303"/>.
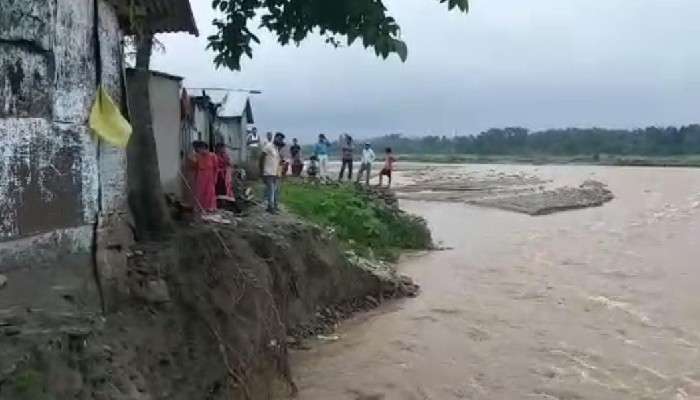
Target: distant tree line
<point x="651" y="141"/>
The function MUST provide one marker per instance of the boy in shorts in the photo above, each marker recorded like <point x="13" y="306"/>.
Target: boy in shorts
<point x="389" y="161"/>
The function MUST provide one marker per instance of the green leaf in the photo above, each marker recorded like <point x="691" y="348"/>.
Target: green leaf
<point x="292" y="21"/>
<point x="401" y="50"/>
<point x="352" y="36"/>
<point x="463" y="5"/>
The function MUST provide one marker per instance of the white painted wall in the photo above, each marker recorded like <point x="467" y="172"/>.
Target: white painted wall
<point x="165" y="108"/>
<point x="51" y="172"/>
<point x="234" y="132"/>
<point x="202" y="119"/>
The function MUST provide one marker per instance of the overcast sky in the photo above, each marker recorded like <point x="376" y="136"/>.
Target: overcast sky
<point x="531" y="63"/>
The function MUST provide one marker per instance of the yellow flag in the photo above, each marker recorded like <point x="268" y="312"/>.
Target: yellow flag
<point x="107" y="121"/>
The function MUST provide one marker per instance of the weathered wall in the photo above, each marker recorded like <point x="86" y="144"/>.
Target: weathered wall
<point x="232" y="132"/>
<point x="112" y="160"/>
<point x="243" y="140"/>
<point x="165" y="108"/>
<point x="51" y="171"/>
<point x="202" y="123"/>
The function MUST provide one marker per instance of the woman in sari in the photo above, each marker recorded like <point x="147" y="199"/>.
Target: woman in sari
<point x="224" y="176"/>
<point x="205" y="165"/>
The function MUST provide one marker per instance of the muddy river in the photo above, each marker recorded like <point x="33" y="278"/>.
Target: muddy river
<point x="598" y="303"/>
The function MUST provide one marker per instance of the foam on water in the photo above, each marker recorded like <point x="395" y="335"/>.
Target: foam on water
<point x="619" y="305"/>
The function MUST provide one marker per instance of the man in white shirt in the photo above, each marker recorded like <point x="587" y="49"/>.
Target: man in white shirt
<point x="368" y="158"/>
<point x="270" y="166"/>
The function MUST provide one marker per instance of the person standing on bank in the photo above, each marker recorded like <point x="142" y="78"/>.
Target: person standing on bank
<point x="281" y="146"/>
<point x="285" y="154"/>
<point x="321" y="152"/>
<point x="270" y="165"/>
<point x="205" y="166"/>
<point x="224" y="175"/>
<point x="346" y="156"/>
<point x="297" y="160"/>
<point x="368" y="158"/>
<point x="389" y="161"/>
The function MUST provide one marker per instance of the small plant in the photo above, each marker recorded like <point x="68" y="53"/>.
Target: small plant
<point x="28" y="386"/>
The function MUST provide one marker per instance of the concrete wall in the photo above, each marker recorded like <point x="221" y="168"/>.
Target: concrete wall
<point x="165" y="108"/>
<point x="234" y="133"/>
<point x="243" y="141"/>
<point x="51" y="171"/>
<point x="202" y="124"/>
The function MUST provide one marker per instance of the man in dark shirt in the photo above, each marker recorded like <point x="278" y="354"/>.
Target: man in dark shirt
<point x="346" y="154"/>
<point x="297" y="161"/>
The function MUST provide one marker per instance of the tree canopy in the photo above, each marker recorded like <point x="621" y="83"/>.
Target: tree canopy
<point x="651" y="141"/>
<point x="292" y="21"/>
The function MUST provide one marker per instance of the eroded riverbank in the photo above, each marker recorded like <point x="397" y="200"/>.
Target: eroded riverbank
<point x="598" y="303"/>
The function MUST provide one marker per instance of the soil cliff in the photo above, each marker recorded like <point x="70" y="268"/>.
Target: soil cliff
<point x="207" y="315"/>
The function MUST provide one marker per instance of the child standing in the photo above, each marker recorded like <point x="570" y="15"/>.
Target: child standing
<point x="313" y="169"/>
<point x="389" y="161"/>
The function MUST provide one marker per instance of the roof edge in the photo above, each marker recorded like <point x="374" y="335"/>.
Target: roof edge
<point x="193" y="28"/>
<point x="158" y="74"/>
<point x="178" y="18"/>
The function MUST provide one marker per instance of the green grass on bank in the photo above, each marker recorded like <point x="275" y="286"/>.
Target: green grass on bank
<point x="364" y="223"/>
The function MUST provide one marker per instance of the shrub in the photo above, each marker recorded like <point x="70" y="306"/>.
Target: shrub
<point x="364" y="223"/>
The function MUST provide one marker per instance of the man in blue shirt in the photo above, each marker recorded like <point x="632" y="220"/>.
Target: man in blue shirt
<point x="321" y="152"/>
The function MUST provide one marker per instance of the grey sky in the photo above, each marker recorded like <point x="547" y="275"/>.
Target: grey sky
<point x="532" y="63"/>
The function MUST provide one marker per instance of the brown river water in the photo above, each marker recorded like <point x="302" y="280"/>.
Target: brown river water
<point x="599" y="303"/>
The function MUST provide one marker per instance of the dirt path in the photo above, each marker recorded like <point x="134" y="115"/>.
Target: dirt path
<point x="599" y="303"/>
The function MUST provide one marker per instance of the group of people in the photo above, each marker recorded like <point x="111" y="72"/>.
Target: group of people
<point x="275" y="163"/>
<point x="367" y="158"/>
<point x="212" y="174"/>
<point x="317" y="166"/>
<point x="213" y="171"/>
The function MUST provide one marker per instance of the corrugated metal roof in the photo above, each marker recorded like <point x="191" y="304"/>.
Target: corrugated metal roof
<point x="161" y="16"/>
<point x="233" y="104"/>
<point x="215" y="96"/>
<point x="236" y="104"/>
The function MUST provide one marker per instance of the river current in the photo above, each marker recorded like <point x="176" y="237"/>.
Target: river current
<point x="599" y="303"/>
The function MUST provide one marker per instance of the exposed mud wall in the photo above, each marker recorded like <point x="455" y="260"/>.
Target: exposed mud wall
<point x="51" y="171"/>
<point x="205" y="316"/>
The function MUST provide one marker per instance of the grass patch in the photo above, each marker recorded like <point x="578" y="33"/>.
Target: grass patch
<point x="29" y="386"/>
<point x="361" y="220"/>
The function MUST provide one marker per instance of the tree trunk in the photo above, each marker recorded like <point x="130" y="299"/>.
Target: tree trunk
<point x="146" y="198"/>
